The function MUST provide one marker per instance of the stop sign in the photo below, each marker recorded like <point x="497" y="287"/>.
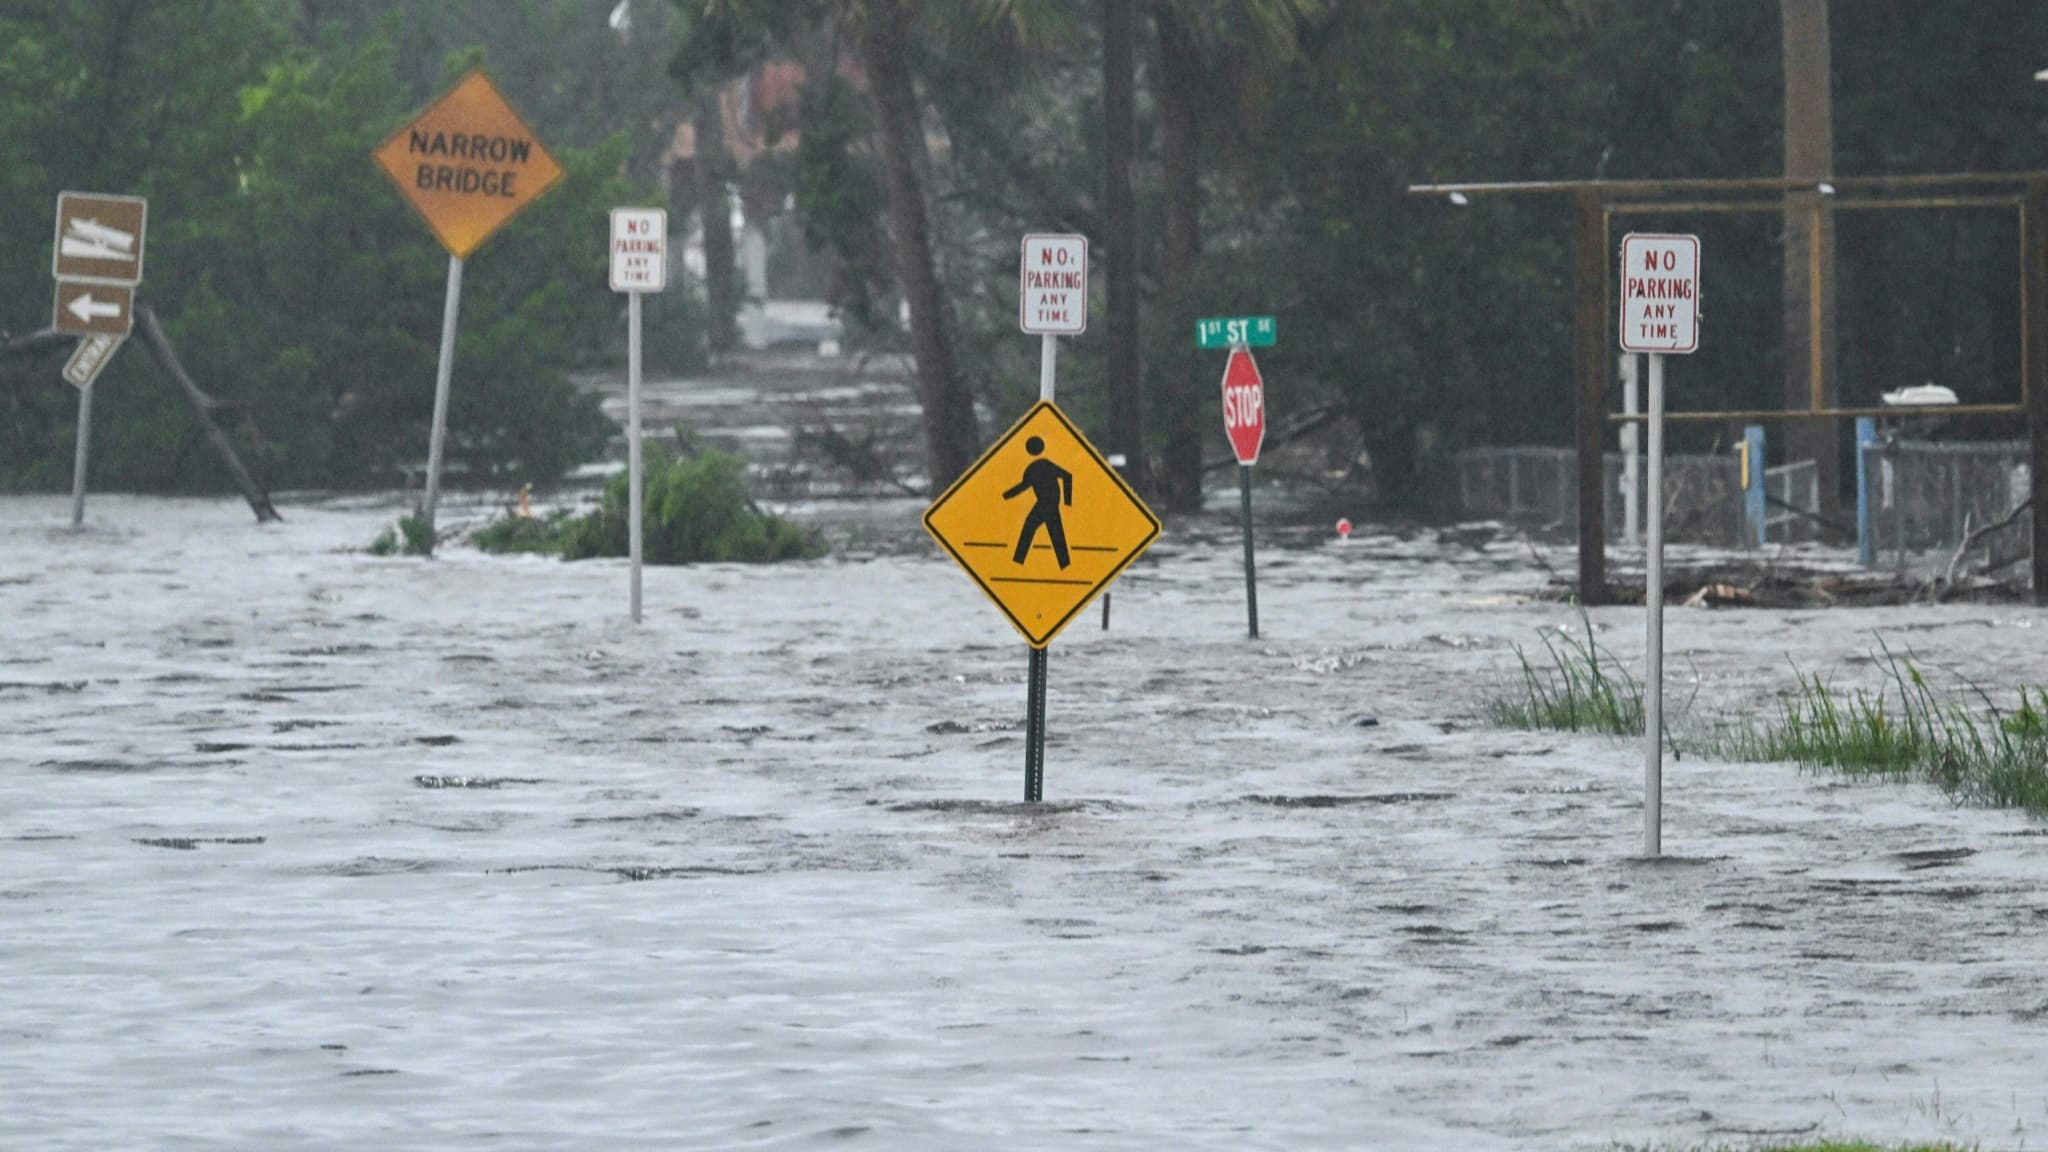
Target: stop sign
<point x="1244" y="405"/>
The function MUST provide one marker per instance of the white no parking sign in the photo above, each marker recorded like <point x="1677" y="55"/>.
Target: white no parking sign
<point x="1660" y="313"/>
<point x="1660" y="293"/>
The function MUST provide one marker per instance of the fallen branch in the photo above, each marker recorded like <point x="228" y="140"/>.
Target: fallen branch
<point x="202" y="405"/>
<point x="35" y="343"/>
<point x="1948" y="578"/>
<point x="1970" y="540"/>
<point x="2008" y="521"/>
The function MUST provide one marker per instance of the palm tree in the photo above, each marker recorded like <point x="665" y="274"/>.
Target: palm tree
<point x="1194" y="38"/>
<point x="881" y="39"/>
<point x="1120" y="221"/>
<point x="951" y="436"/>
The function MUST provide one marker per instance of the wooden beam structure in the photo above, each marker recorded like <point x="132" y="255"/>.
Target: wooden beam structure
<point x="1594" y="202"/>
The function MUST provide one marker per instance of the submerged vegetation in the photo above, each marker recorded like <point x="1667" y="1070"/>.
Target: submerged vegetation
<point x="696" y="510"/>
<point x="1575" y="692"/>
<point x="1909" y="730"/>
<point x="409" y="537"/>
<point x="1957" y="739"/>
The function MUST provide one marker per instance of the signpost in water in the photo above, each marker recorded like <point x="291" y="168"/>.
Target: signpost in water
<point x="467" y="165"/>
<point x="1244" y="422"/>
<point x="639" y="264"/>
<point x="1660" y="298"/>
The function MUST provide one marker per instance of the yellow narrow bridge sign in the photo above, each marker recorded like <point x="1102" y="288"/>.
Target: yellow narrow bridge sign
<point x="1042" y="523"/>
<point x="468" y="164"/>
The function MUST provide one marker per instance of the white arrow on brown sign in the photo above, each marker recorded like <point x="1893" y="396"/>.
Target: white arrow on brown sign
<point x="93" y="309"/>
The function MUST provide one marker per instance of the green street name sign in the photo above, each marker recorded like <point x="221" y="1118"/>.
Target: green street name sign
<point x="1228" y="331"/>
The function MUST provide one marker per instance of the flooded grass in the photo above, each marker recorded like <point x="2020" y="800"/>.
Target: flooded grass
<point x="1958" y="740"/>
<point x="1581" y="689"/>
<point x="1817" y="1146"/>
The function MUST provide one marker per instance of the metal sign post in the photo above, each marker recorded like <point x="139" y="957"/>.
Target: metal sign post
<point x="1043" y="524"/>
<point x="1659" y="314"/>
<point x="636" y="527"/>
<point x="96" y="260"/>
<point x="467" y="165"/>
<point x="444" y="372"/>
<point x="90" y="357"/>
<point x="78" y="459"/>
<point x="1052" y="301"/>
<point x="639" y="264"/>
<point x="1653" y="599"/>
<point x="1244" y="422"/>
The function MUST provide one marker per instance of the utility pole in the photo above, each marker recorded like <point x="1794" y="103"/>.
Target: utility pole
<point x="1809" y="252"/>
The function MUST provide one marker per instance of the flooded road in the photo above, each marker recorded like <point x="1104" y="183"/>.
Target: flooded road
<point x="302" y="848"/>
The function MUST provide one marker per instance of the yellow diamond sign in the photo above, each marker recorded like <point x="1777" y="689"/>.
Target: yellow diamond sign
<point x="1042" y="523"/>
<point x="468" y="164"/>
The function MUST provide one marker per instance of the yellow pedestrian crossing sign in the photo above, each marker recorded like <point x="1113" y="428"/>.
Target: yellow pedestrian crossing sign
<point x="1042" y="523"/>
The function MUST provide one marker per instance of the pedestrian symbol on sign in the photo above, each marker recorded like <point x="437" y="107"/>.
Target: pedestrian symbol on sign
<point x="1050" y="486"/>
<point x="1013" y="523"/>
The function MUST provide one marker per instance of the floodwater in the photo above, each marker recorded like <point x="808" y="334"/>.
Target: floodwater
<point x="303" y="848"/>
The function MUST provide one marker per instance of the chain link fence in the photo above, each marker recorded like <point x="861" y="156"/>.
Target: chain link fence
<point x="1538" y="489"/>
<point x="1930" y="497"/>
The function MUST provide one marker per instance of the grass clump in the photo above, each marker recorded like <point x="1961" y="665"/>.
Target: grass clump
<point x="696" y="510"/>
<point x="1807" y="1146"/>
<point x="1576" y="691"/>
<point x="1909" y="729"/>
<point x="411" y="537"/>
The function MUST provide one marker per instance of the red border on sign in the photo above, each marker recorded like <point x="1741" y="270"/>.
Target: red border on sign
<point x="1622" y="320"/>
<point x="610" y="254"/>
<point x="1023" y="254"/>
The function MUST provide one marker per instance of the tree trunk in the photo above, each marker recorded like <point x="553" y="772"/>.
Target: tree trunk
<point x="715" y="211"/>
<point x="1809" y="252"/>
<point x="110" y="92"/>
<point x="202" y="407"/>
<point x="951" y="438"/>
<point x="1120" y="222"/>
<point x="1179" y="73"/>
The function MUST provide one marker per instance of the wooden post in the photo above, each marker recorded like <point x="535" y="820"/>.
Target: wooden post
<point x="1589" y="362"/>
<point x="2034" y="362"/>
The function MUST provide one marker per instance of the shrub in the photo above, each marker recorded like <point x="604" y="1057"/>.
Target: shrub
<point x="411" y="537"/>
<point x="696" y="511"/>
<point x="515" y="533"/>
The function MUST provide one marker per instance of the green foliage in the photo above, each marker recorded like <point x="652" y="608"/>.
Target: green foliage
<point x="411" y="537"/>
<point x="839" y="188"/>
<point x="541" y="535"/>
<point x="1909" y="730"/>
<point x="297" y="285"/>
<point x="696" y="510"/>
<point x="1576" y="692"/>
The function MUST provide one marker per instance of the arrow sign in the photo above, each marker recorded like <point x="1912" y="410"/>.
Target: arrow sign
<point x="93" y="309"/>
<point x="86" y="308"/>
